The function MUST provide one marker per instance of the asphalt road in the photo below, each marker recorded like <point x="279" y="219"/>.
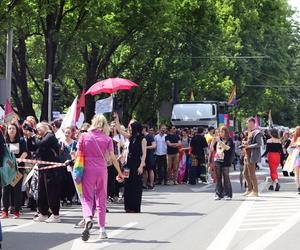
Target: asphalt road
<point x="175" y="217"/>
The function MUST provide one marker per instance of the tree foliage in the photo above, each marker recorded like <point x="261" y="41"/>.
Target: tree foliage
<point x="191" y="46"/>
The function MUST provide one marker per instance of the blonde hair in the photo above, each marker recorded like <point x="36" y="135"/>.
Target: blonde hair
<point x="32" y="120"/>
<point x="44" y="126"/>
<point x="296" y="134"/>
<point x="100" y="122"/>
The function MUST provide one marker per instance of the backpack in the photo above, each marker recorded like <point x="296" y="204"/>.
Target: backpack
<point x="8" y="168"/>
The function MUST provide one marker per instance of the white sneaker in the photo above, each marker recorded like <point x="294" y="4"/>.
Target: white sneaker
<point x="53" y="219"/>
<point x="80" y="224"/>
<point x="40" y="218"/>
<point x="103" y="235"/>
<point x="227" y="198"/>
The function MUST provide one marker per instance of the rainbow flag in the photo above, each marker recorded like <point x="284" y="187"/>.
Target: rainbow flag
<point x="9" y="114"/>
<point x="232" y="98"/>
<point x="78" y="172"/>
<point x="181" y="166"/>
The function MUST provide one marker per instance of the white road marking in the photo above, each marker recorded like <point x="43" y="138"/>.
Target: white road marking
<point x="269" y="218"/>
<point x="24" y="225"/>
<point x="255" y="229"/>
<point x="226" y="235"/>
<point x="265" y="240"/>
<point x="266" y="215"/>
<point x="97" y="243"/>
<point x="260" y="223"/>
<point x="18" y="227"/>
<point x="224" y="238"/>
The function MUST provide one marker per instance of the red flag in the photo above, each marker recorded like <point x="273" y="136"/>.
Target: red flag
<point x="81" y="104"/>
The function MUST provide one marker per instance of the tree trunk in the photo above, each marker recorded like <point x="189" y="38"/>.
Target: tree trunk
<point x="26" y="98"/>
<point x="92" y="62"/>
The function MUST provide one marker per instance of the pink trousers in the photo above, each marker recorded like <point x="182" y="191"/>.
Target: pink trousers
<point x="94" y="183"/>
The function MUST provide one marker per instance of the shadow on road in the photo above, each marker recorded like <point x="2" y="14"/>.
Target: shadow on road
<point x="35" y="241"/>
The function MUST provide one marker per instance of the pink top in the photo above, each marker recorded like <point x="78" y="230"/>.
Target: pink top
<point x="94" y="144"/>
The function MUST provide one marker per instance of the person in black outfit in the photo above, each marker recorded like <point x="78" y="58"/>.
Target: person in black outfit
<point x="135" y="162"/>
<point x="150" y="162"/>
<point x="47" y="148"/>
<point x="199" y="151"/>
<point x="224" y="150"/>
<point x="12" y="196"/>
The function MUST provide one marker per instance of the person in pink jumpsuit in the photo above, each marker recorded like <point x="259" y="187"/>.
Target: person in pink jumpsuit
<point x="96" y="146"/>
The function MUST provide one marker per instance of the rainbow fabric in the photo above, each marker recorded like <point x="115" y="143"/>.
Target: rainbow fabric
<point x="182" y="165"/>
<point x="78" y="173"/>
<point x="78" y="167"/>
<point x="232" y="98"/>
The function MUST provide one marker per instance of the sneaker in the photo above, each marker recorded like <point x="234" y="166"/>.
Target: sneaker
<point x="16" y="215"/>
<point x="103" y="235"/>
<point x="246" y="193"/>
<point x="217" y="198"/>
<point x="227" y="198"/>
<point x="53" y="219"/>
<point x="175" y="183"/>
<point x="86" y="232"/>
<point x="253" y="194"/>
<point x="40" y="218"/>
<point x="298" y="190"/>
<point x="271" y="188"/>
<point x="4" y="215"/>
<point x="209" y="179"/>
<point x="277" y="187"/>
<point x="80" y="224"/>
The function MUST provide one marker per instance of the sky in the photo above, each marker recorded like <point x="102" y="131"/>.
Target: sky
<point x="296" y="4"/>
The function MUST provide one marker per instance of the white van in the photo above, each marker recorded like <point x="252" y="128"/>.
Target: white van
<point x="195" y="114"/>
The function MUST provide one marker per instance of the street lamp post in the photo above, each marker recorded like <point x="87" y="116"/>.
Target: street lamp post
<point x="49" y="81"/>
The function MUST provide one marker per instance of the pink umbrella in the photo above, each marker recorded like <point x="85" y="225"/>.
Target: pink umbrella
<point x="111" y="85"/>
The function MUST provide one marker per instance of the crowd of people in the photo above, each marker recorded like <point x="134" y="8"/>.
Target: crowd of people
<point x="120" y="162"/>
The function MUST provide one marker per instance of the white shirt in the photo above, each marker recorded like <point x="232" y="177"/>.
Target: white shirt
<point x="161" y="145"/>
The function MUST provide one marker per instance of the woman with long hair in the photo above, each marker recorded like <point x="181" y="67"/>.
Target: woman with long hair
<point x="12" y="196"/>
<point x="96" y="146"/>
<point x="295" y="145"/>
<point x="223" y="147"/>
<point x="274" y="152"/>
<point x="135" y="166"/>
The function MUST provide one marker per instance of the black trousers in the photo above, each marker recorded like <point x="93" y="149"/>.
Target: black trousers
<point x="223" y="187"/>
<point x="161" y="161"/>
<point x="12" y="197"/>
<point x="48" y="192"/>
<point x="197" y="172"/>
<point x="111" y="182"/>
<point x="67" y="187"/>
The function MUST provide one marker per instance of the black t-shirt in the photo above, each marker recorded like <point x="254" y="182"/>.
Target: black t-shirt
<point x="198" y="143"/>
<point x="172" y="139"/>
<point x="150" y="152"/>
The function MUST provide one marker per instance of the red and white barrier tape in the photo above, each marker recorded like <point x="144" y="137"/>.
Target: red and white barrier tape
<point x="40" y="162"/>
<point x="52" y="164"/>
